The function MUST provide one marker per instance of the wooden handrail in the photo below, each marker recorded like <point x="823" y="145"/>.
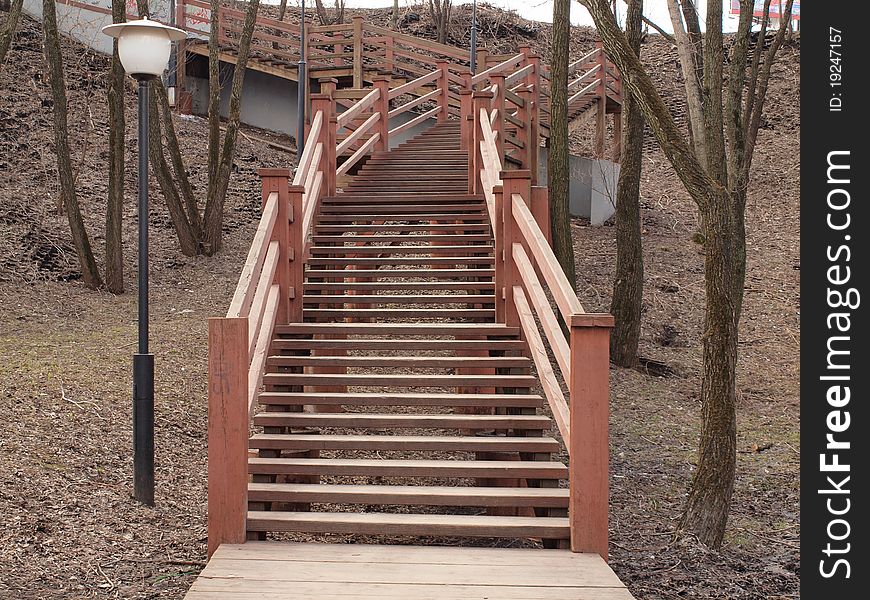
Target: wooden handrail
<point x="584" y="91"/>
<point x="519" y="74"/>
<point x="414" y="84"/>
<point x="258" y="304"/>
<point x="499" y="68"/>
<point x="574" y="83"/>
<point x="357" y="133"/>
<point x="362" y="151"/>
<point x="586" y="57"/>
<point x="307" y="154"/>
<point x="240" y="305"/>
<point x="414" y="103"/>
<point x="359" y="107"/>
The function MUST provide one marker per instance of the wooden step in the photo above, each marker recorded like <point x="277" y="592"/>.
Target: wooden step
<point x="483" y="286"/>
<point x="402" y="421"/>
<point x="409" y="524"/>
<point x="394" y="399"/>
<point x="439" y="227"/>
<point x="402" y="443"/>
<point x="402" y="260"/>
<point x="398" y="344"/>
<point x="430" y="216"/>
<point x="398" y="329"/>
<point x="338" y="314"/>
<point x="398" y="273"/>
<point x="400" y="299"/>
<point x="408" y="495"/>
<point x="386" y="467"/>
<point x="400" y="381"/>
<point x="409" y="362"/>
<point x="463" y="250"/>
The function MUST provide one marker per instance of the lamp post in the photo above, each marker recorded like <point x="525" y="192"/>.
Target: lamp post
<point x="302" y="80"/>
<point x="474" y="37"/>
<point x="143" y="47"/>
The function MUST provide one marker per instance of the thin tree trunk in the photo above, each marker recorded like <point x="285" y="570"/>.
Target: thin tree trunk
<point x="213" y="222"/>
<point x="7" y="32"/>
<point x="709" y="501"/>
<point x="627" y="302"/>
<point x="115" y="207"/>
<point x="557" y="171"/>
<point x="692" y="81"/>
<point x="214" y="96"/>
<point x="394" y="18"/>
<point x="54" y="66"/>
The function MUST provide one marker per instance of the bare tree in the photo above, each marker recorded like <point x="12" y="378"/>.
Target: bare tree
<point x="439" y="12"/>
<point x="715" y="167"/>
<point x="394" y="17"/>
<point x="557" y="163"/>
<point x="115" y="206"/>
<point x="54" y="67"/>
<point x="7" y="31"/>
<point x="627" y="300"/>
<point x="323" y="15"/>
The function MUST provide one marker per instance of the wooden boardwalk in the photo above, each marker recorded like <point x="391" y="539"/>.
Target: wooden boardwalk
<point x="273" y="570"/>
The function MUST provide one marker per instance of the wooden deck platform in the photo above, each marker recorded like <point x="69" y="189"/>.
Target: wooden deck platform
<point x="280" y="570"/>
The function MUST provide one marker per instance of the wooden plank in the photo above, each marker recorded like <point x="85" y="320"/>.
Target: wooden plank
<point x="224" y="588"/>
<point x="482" y="286"/>
<point x="415" y="121"/>
<point x="414" y="103"/>
<point x="408" y="524"/>
<point x="350" y="114"/>
<point x="400" y="380"/>
<point x="549" y="383"/>
<point x="397" y="273"/>
<point x="397" y="329"/>
<point x="402" y="260"/>
<point x="398" y="344"/>
<point x="360" y="152"/>
<point x="419" y="362"/>
<point x="402" y="421"/>
<point x="400" y="299"/>
<point x="394" y="399"/>
<point x="414" y="84"/>
<point x="261" y="293"/>
<point x="340" y="314"/>
<point x="241" y="302"/>
<point x="384" y="467"/>
<point x="402" y="443"/>
<point x="261" y="350"/>
<point x="563" y="293"/>
<point x="357" y="133"/>
<point x="408" y="495"/>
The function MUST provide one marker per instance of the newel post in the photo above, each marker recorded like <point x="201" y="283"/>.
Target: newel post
<point x="278" y="180"/>
<point x="519" y="183"/>
<point x="480" y="101"/>
<point x="382" y="106"/>
<point x="296" y="253"/>
<point x="444" y="86"/>
<point x="589" y="385"/>
<point x="466" y="122"/>
<point x="325" y="101"/>
<point x="357" y="51"/>
<point x="227" y="431"/>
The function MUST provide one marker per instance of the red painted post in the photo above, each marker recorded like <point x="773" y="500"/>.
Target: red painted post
<point x="328" y="134"/>
<point x="498" y="103"/>
<point x="589" y="386"/>
<point x="540" y="208"/>
<point x="513" y="182"/>
<point x="227" y="431"/>
<point x="382" y="105"/>
<point x="296" y="253"/>
<point x="465" y="121"/>
<point x="444" y="85"/>
<point x="388" y="54"/>
<point x="357" y="51"/>
<point x="498" y="245"/>
<point x="523" y="114"/>
<point x="278" y="180"/>
<point x="535" y="116"/>
<point x="479" y="101"/>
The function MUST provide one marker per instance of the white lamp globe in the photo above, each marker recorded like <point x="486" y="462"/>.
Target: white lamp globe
<point x="144" y="46"/>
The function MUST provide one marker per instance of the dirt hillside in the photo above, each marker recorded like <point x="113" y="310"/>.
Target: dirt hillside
<point x="68" y="528"/>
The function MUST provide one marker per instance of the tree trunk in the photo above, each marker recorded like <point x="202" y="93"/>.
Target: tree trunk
<point x="7" y="32"/>
<point x="557" y="167"/>
<point x="54" y="67"/>
<point x="439" y="12"/>
<point x="115" y="207"/>
<point x="627" y="301"/>
<point x="394" y="18"/>
<point x="709" y="502"/>
<point x="214" y="96"/>
<point x="213" y="222"/>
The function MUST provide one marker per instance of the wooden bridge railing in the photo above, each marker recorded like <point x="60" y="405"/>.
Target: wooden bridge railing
<point x="525" y="267"/>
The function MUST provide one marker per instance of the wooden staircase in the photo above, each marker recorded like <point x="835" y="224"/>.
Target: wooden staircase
<point x="440" y="434"/>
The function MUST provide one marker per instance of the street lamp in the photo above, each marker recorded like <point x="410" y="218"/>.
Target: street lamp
<point x="474" y="37"/>
<point x="143" y="47"/>
<point x="301" y="82"/>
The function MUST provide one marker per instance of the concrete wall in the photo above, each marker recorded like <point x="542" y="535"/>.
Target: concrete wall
<point x="592" y="192"/>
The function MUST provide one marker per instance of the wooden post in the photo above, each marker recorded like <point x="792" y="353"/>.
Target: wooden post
<point x="540" y="208"/>
<point x="444" y="84"/>
<point x="278" y="180"/>
<point x="328" y="134"/>
<point x="535" y="117"/>
<point x="479" y="101"/>
<point x="227" y="431"/>
<point x="498" y="245"/>
<point x="357" y="51"/>
<point x="388" y="54"/>
<point x="513" y="182"/>
<point x="482" y="57"/>
<point x="465" y="123"/>
<point x="601" y="116"/>
<point x="498" y="104"/>
<point x="589" y="385"/>
<point x="523" y="114"/>
<point x="296" y="253"/>
<point x="382" y="106"/>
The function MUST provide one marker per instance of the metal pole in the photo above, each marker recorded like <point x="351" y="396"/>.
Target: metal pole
<point x="474" y="37"/>
<point x="302" y="80"/>
<point x="143" y="361"/>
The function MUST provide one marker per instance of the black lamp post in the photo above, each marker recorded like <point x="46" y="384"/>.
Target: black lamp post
<point x="144" y="47"/>
<point x="474" y="37"/>
<point x="302" y="80"/>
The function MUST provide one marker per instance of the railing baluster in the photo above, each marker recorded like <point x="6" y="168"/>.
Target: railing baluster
<point x="278" y="180"/>
<point x="296" y="247"/>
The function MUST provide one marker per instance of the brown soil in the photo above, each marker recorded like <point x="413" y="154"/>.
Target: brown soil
<point x="68" y="527"/>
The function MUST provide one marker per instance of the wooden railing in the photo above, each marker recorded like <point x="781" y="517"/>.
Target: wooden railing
<point x="526" y="269"/>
